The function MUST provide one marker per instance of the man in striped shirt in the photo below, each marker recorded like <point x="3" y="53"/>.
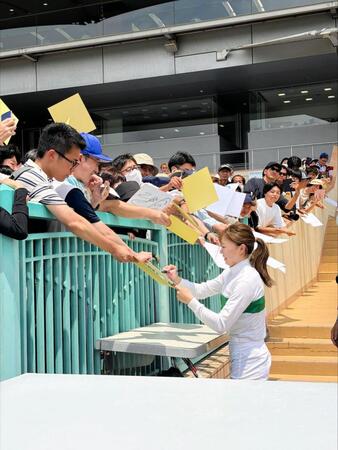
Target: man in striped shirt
<point x="58" y="153"/>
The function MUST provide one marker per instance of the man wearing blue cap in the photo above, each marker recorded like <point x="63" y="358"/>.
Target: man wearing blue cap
<point x="56" y="158"/>
<point x="89" y="164"/>
<point x="77" y="195"/>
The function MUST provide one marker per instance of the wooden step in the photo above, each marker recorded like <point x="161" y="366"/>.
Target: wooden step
<point x="329" y="259"/>
<point x="314" y="331"/>
<point x="330" y="238"/>
<point x="312" y="378"/>
<point x="330" y="252"/>
<point x="302" y="346"/>
<point x="326" y="276"/>
<point x="307" y="365"/>
<point x="330" y="243"/>
<point x="328" y="267"/>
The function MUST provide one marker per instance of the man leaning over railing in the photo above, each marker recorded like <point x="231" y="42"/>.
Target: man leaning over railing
<point x="58" y="153"/>
<point x="74" y="190"/>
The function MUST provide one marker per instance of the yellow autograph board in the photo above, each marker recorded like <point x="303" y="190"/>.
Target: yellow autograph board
<point x="155" y="273"/>
<point x="6" y="113"/>
<point x="199" y="190"/>
<point x="73" y="112"/>
<point x="183" y="231"/>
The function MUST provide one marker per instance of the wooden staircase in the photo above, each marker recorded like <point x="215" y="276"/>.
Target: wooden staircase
<point x="299" y="337"/>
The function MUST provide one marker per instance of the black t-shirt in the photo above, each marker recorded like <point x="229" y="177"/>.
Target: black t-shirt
<point x="76" y="200"/>
<point x="255" y="185"/>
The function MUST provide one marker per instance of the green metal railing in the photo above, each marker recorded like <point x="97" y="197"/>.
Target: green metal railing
<point x="59" y="294"/>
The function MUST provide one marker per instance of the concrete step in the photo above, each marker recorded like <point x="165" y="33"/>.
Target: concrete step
<point x="302" y="346"/>
<point x="314" y="331"/>
<point x="304" y="365"/>
<point x="326" y="276"/>
<point x="312" y="378"/>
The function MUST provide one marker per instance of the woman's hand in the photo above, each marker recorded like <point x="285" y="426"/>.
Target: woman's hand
<point x="184" y="295"/>
<point x="171" y="273"/>
<point x="213" y="238"/>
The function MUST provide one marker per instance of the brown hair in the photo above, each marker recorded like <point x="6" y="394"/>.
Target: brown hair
<point x="239" y="233"/>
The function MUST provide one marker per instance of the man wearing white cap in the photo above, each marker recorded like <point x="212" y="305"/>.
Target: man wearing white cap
<point x="146" y="164"/>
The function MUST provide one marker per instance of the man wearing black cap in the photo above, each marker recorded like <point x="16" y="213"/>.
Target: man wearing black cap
<point x="270" y="175"/>
<point x="224" y="172"/>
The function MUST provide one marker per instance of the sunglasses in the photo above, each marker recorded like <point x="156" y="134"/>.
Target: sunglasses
<point x="73" y="162"/>
<point x="275" y="169"/>
<point x="284" y="174"/>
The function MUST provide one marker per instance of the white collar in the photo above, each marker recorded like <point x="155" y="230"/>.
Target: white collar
<point x="32" y="163"/>
<point x="234" y="270"/>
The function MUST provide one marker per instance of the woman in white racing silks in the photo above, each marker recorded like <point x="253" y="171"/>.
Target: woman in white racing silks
<point x="243" y="312"/>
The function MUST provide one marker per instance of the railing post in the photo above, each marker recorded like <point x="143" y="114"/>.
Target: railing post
<point x="160" y="236"/>
<point x="10" y="330"/>
<point x="214" y="158"/>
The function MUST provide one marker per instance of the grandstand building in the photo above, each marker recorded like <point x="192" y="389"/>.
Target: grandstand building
<point x="215" y="78"/>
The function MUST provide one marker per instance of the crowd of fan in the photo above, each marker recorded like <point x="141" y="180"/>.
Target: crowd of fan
<point x="70" y="175"/>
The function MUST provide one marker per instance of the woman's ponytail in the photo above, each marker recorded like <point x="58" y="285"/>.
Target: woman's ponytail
<point x="258" y="260"/>
<point x="239" y="233"/>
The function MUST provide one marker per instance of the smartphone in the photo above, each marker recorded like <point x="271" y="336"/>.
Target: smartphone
<point x="6" y="115"/>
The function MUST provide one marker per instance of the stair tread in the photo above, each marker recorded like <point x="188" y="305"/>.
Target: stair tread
<point x="305" y="359"/>
<point x="300" y="324"/>
<point x="300" y="340"/>
<point x="296" y="377"/>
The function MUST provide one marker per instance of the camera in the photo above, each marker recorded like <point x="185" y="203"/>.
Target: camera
<point x="293" y="215"/>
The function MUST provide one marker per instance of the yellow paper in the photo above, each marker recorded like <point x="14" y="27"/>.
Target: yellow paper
<point x="183" y="231"/>
<point x="155" y="273"/>
<point x="3" y="109"/>
<point x="199" y="190"/>
<point x="73" y="112"/>
<point x="187" y="217"/>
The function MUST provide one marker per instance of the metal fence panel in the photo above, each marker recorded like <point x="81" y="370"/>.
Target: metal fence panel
<point x="59" y="294"/>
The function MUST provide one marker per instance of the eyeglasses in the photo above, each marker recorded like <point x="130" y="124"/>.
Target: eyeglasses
<point x="129" y="169"/>
<point x="275" y="169"/>
<point x="283" y="174"/>
<point x="73" y="162"/>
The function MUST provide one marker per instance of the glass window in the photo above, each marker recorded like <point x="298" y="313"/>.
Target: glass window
<point x="297" y="116"/>
<point x="26" y="24"/>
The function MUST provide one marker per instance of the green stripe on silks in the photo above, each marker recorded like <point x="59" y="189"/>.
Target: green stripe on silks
<point x="255" y="307"/>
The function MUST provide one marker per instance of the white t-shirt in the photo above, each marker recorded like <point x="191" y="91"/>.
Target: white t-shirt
<point x="39" y="186"/>
<point x="269" y="216"/>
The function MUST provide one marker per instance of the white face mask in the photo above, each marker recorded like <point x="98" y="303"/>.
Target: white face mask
<point x="134" y="175"/>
